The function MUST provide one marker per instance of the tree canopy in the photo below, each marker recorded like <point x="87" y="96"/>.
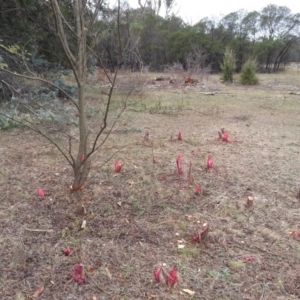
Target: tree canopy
<point x="272" y="35"/>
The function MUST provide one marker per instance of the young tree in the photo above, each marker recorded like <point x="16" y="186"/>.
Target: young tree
<point x="228" y="66"/>
<point x="248" y="75"/>
<point x="78" y="62"/>
<point x="72" y="30"/>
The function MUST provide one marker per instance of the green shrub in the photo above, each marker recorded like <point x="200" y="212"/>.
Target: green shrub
<point x="37" y="110"/>
<point x="228" y="67"/>
<point x="71" y="90"/>
<point x="6" y="123"/>
<point x="248" y="72"/>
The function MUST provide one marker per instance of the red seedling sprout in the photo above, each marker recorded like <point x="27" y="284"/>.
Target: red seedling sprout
<point x="295" y="234"/>
<point x="67" y="251"/>
<point x="210" y="163"/>
<point x="159" y="275"/>
<point x="201" y="235"/>
<point x="77" y="188"/>
<point x="179" y="136"/>
<point x="170" y="279"/>
<point x="198" y="190"/>
<point x="179" y="166"/>
<point x="250" y="201"/>
<point x="249" y="259"/>
<point x="173" y="277"/>
<point x="78" y="274"/>
<point x="118" y="167"/>
<point x="225" y="137"/>
<point x="41" y="193"/>
<point x="82" y="158"/>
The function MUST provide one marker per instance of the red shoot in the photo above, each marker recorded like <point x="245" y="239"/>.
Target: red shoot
<point x="295" y="234"/>
<point x="158" y="274"/>
<point x="67" y="251"/>
<point x="250" y="201"/>
<point x="201" y="234"/>
<point x="179" y="136"/>
<point x="198" y="190"/>
<point x="225" y="137"/>
<point x="118" y="167"/>
<point x="173" y="277"/>
<point x="209" y="163"/>
<point x="179" y="166"/>
<point x="77" y="188"/>
<point x="249" y="259"/>
<point x="82" y="158"/>
<point x="41" y="193"/>
<point x="78" y="274"/>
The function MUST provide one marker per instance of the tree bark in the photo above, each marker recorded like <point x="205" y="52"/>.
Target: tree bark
<point x="77" y="60"/>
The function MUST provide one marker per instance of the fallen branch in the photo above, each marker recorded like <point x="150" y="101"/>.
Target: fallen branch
<point x="39" y="230"/>
<point x="211" y="93"/>
<point x="161" y="78"/>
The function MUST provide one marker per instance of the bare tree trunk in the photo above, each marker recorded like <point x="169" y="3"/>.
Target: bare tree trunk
<point x="81" y="165"/>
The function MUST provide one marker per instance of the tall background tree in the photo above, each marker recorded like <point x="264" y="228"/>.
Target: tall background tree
<point x="149" y="33"/>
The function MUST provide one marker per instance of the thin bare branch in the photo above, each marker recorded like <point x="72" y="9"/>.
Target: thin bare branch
<point x="95" y="146"/>
<point x="105" y="115"/>
<point x="37" y="130"/>
<point x="117" y="151"/>
<point x="23" y="59"/>
<point x="11" y="87"/>
<point x="119" y="36"/>
<point x="95" y="14"/>
<point x="42" y="80"/>
<point x="39" y="230"/>
<point x="60" y="31"/>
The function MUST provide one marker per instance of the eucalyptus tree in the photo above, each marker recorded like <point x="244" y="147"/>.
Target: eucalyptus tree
<point x="280" y="31"/>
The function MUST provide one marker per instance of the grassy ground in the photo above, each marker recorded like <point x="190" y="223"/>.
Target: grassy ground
<point x="147" y="215"/>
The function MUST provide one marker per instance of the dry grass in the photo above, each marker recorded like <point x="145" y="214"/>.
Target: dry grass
<point x="135" y="218"/>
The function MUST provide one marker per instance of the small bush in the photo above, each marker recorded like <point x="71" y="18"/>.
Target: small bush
<point x="71" y="90"/>
<point x="6" y="123"/>
<point x="37" y="110"/>
<point x="248" y="72"/>
<point x="228" y="67"/>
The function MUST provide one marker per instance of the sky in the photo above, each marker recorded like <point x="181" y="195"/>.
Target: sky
<point x="192" y="11"/>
